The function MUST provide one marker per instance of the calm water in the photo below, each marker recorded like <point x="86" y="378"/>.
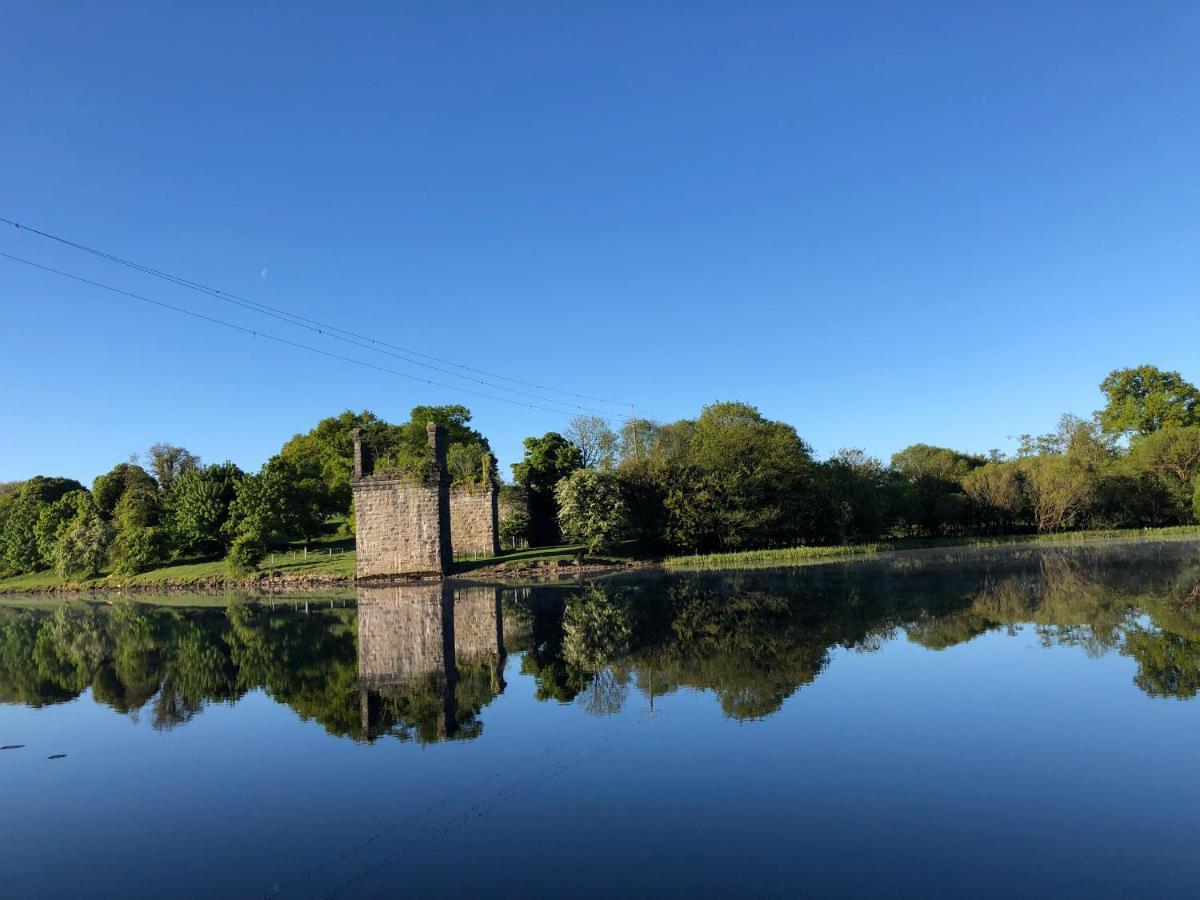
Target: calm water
<point x="1007" y="723"/>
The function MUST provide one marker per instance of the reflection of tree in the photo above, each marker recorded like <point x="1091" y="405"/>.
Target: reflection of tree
<point x="1168" y="664"/>
<point x="754" y="638"/>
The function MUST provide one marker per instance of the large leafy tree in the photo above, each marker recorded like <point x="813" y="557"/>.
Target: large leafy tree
<point x="108" y="488"/>
<point x="19" y="545"/>
<point x="1144" y="399"/>
<point x="280" y="499"/>
<point x="758" y="475"/>
<point x="547" y="460"/>
<point x="200" y="507"/>
<point x="591" y="508"/>
<point x="933" y="501"/>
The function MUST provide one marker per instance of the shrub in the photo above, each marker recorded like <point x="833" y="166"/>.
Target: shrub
<point x="247" y="552"/>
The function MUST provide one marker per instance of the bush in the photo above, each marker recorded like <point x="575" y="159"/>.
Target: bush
<point x="246" y="553"/>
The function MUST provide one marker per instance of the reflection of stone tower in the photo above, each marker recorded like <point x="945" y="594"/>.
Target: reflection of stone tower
<point x="478" y="631"/>
<point x="474" y="515"/>
<point x="402" y="521"/>
<point x="411" y="650"/>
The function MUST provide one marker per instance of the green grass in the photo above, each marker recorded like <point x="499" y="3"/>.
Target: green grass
<point x="808" y="556"/>
<point x="330" y="557"/>
<point x="319" y="562"/>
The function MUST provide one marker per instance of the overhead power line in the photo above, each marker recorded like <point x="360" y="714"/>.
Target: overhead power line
<point x="333" y="331"/>
<point x="284" y="341"/>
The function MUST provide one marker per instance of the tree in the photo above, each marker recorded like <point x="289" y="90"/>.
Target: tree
<point x="329" y="449"/>
<point x="547" y="460"/>
<point x="1144" y="399"/>
<point x="108" y="489"/>
<point x="83" y="547"/>
<point x="855" y="488"/>
<point x="278" y="500"/>
<point x="637" y="439"/>
<point x="596" y="441"/>
<point x="200" y="507"/>
<point x="931" y="474"/>
<point x="998" y="491"/>
<point x="755" y="479"/>
<point x="469" y="463"/>
<point x="590" y="508"/>
<point x="1061" y="490"/>
<point x="138" y="540"/>
<point x="169" y="462"/>
<point x="55" y="518"/>
<point x="514" y="527"/>
<point x="20" y="544"/>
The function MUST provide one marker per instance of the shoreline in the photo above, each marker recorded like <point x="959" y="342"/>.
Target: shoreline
<point x="558" y="569"/>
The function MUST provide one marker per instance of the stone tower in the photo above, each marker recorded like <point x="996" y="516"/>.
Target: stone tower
<point x="402" y="520"/>
<point x="474" y="515"/>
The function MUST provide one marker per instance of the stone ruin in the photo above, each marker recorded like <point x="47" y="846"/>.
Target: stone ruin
<point x="413" y="524"/>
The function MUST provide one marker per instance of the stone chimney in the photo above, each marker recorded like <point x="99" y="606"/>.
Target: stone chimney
<point x="489" y="477"/>
<point x="364" y="459"/>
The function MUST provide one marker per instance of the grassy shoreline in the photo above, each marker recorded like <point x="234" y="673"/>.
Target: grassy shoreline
<point x="812" y="556"/>
<point x="293" y="569"/>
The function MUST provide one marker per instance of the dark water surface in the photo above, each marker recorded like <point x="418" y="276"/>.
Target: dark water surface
<point x="1001" y="723"/>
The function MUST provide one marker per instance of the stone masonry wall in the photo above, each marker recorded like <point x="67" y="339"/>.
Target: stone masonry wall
<point x="398" y="527"/>
<point x="474" y="524"/>
<point x="402" y="524"/>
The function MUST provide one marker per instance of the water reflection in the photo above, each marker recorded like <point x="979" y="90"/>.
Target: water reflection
<point x="422" y="662"/>
<point x="430" y="657"/>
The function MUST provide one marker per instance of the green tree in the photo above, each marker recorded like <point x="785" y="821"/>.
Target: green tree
<point x="200" y="505"/>
<point x="19" y="539"/>
<point x="108" y="489"/>
<point x="329" y="449"/>
<point x="83" y="548"/>
<point x="278" y="500"/>
<point x="1061" y="490"/>
<point x="591" y="508"/>
<point x="855" y="488"/>
<point x="55" y="518"/>
<point x="997" y="490"/>
<point x="933" y="500"/>
<point x="1144" y="399"/>
<point x="547" y="460"/>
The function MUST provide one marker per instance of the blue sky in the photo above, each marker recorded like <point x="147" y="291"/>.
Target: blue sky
<point x="883" y="223"/>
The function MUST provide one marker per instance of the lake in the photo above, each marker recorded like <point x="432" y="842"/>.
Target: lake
<point x="995" y="723"/>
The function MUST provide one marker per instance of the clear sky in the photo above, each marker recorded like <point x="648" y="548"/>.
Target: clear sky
<point x="883" y="223"/>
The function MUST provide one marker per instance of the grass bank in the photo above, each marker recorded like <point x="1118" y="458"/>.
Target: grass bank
<point x="326" y="561"/>
<point x="810" y="556"/>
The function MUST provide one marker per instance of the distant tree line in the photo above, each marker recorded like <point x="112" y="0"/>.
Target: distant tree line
<point x="168" y="505"/>
<point x="730" y="479"/>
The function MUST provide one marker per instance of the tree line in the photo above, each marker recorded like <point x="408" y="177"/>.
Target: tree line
<point x="732" y="479"/>
<point x="729" y="479"/>
<point x="168" y="505"/>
